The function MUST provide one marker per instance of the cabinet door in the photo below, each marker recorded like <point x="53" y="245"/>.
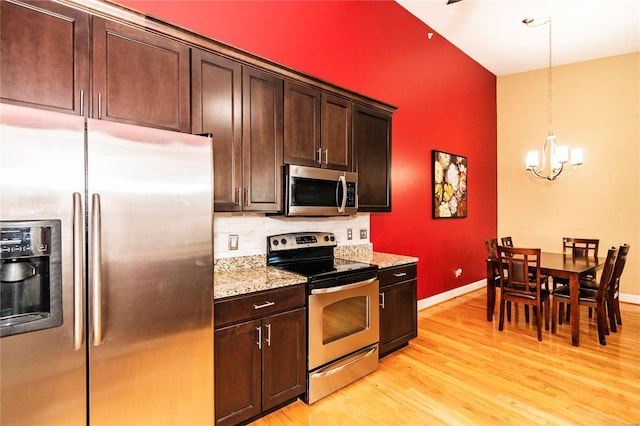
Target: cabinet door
<point x="45" y="55"/>
<point x="372" y="148"/>
<point x="262" y="109"/>
<point x="140" y="77"/>
<point x="216" y="90"/>
<point x="336" y="133"/>
<point x="284" y="357"/>
<point x="301" y="124"/>
<point x="398" y="315"/>
<point x="237" y="372"/>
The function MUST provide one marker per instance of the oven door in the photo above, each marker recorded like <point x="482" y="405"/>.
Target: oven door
<point x="342" y="320"/>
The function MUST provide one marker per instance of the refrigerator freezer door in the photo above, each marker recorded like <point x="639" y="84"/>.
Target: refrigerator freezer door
<point x="41" y="167"/>
<point x="151" y="338"/>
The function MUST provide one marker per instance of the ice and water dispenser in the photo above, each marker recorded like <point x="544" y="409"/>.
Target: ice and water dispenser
<point x="30" y="276"/>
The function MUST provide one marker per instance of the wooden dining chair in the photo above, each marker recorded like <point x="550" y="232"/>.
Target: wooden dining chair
<point x="578" y="248"/>
<point x="593" y="298"/>
<point x="521" y="282"/>
<point x="492" y="256"/>
<point x="613" y="297"/>
<point x="613" y="302"/>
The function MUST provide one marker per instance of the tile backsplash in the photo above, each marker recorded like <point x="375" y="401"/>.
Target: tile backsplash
<point x="252" y="230"/>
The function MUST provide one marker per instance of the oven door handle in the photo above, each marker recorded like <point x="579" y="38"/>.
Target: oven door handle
<point x="343" y="204"/>
<point x="343" y="287"/>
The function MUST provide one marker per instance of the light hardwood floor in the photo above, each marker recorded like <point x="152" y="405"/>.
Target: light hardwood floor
<point x="461" y="370"/>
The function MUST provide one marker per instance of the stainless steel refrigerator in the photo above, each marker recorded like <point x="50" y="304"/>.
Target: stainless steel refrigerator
<point x="107" y="273"/>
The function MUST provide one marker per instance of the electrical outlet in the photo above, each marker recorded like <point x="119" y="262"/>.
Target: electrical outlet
<point x="349" y="234"/>
<point x="458" y="272"/>
<point x="233" y="242"/>
<point x="363" y="233"/>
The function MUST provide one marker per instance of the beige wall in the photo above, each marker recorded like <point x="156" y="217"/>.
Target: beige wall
<point x="596" y="107"/>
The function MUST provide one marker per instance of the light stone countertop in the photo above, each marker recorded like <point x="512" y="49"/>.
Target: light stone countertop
<point x="249" y="280"/>
<point x="382" y="260"/>
<point x="249" y="274"/>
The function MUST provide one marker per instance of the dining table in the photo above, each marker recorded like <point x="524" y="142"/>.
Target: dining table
<point x="554" y="265"/>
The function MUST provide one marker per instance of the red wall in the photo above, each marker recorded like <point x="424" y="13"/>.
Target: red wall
<point x="445" y="101"/>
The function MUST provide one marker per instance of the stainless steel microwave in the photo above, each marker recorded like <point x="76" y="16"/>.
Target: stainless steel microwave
<point x="311" y="191"/>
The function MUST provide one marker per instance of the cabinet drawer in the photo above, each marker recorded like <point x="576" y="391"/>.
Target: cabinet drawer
<point x="256" y="305"/>
<point x="397" y="274"/>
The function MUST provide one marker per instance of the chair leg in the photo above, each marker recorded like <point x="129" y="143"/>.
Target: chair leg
<point x="567" y="318"/>
<point x="612" y="315"/>
<point x="590" y="312"/>
<point x="616" y="306"/>
<point x="602" y="325"/>
<point x="554" y="315"/>
<point x="501" y="322"/>
<point x="526" y="313"/>
<point x="561" y="313"/>
<point x="539" y="324"/>
<point x="508" y="311"/>
<point x="546" y="314"/>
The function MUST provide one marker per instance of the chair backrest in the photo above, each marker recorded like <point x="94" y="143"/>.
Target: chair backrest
<point x="607" y="273"/>
<point x="492" y="248"/>
<point x="507" y="241"/>
<point x="520" y="271"/>
<point x="614" y="283"/>
<point x="580" y="247"/>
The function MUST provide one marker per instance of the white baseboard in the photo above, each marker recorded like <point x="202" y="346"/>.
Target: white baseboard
<point x="452" y="294"/>
<point x="630" y="298"/>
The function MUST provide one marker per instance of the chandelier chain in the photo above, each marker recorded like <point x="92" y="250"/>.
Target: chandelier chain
<point x="550" y="82"/>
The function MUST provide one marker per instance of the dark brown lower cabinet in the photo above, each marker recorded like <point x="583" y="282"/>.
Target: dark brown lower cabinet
<point x="260" y="362"/>
<point x="398" y="307"/>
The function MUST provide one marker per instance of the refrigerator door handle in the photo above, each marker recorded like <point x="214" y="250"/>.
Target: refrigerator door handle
<point x="78" y="271"/>
<point x="96" y="267"/>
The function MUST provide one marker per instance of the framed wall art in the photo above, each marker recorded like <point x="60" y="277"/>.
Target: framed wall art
<point x="449" y="185"/>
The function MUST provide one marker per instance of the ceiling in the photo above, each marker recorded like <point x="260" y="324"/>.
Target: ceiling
<point x="492" y="33"/>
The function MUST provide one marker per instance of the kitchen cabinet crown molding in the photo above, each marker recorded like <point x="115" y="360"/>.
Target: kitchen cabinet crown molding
<point x="131" y="17"/>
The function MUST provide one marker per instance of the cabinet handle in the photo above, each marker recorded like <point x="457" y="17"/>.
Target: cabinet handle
<point x="82" y="103"/>
<point x="382" y="300"/>
<point x="246" y="197"/>
<point x="100" y="105"/>
<point x="399" y="274"/>
<point x="268" y="339"/>
<point x="319" y="156"/>
<point x="326" y="156"/>
<point x="259" y="341"/>
<point x="237" y="200"/>
<point x="264" y="305"/>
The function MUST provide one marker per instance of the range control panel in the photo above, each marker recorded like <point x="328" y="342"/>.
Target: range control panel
<point x="300" y="240"/>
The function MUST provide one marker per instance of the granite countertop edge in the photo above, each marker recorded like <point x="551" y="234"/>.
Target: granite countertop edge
<point x="249" y="274"/>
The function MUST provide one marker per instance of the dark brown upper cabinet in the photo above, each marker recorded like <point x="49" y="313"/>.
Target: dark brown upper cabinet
<point x="216" y="87"/>
<point x="317" y="128"/>
<point x="302" y="125"/>
<point x="336" y="132"/>
<point x="140" y="77"/>
<point x="45" y="59"/>
<point x="262" y="140"/>
<point x="242" y="107"/>
<point x="372" y="148"/>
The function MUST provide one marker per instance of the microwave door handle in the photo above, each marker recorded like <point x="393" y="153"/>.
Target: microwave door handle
<point x="343" y="204"/>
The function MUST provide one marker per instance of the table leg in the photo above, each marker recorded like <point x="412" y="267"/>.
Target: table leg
<point x="491" y="292"/>
<point x="574" y="290"/>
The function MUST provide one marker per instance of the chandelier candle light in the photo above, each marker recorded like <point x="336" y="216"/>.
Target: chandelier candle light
<point x="558" y="155"/>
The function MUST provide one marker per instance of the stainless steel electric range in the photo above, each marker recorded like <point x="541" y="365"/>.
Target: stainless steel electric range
<point x="342" y="309"/>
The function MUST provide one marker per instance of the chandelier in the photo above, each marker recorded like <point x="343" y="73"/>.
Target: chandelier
<point x="558" y="155"/>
